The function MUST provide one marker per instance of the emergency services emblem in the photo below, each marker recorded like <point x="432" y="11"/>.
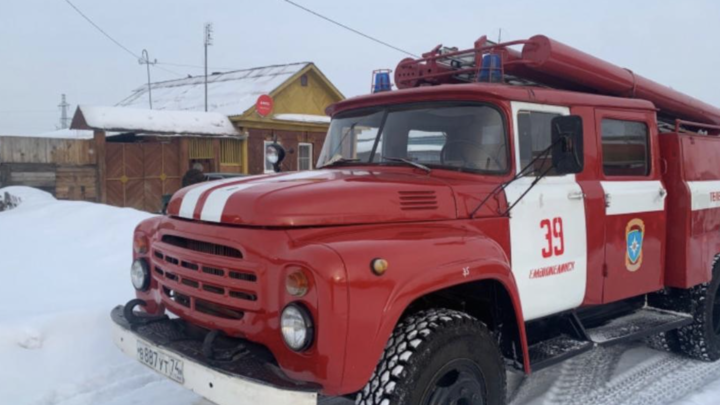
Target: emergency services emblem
<point x="634" y="234"/>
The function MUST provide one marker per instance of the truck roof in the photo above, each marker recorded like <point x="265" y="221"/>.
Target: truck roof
<point x="475" y="91"/>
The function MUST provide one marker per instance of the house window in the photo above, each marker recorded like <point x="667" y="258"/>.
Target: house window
<point x="304" y="80"/>
<point x="534" y="137"/>
<point x="201" y="148"/>
<point x="305" y="155"/>
<point x="230" y="152"/>
<point x="625" y="148"/>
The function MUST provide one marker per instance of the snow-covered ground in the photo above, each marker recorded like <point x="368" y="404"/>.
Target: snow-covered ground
<point x="64" y="265"/>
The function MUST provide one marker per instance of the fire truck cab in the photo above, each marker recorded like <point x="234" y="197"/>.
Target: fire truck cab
<point x="502" y="209"/>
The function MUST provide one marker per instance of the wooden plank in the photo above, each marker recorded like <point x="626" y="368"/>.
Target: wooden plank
<point x="153" y="195"/>
<point x="152" y="159"/>
<point x="100" y="143"/>
<point x="47" y="150"/>
<point x="76" y="183"/>
<point x="171" y="155"/>
<point x="216" y="154"/>
<point x="115" y="193"/>
<point x="133" y="161"/>
<point x="184" y="157"/>
<point x="135" y="194"/>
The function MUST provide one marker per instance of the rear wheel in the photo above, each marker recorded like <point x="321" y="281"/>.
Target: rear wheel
<point x="701" y="339"/>
<point x="438" y="357"/>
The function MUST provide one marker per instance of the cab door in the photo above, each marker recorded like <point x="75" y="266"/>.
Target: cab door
<point x="547" y="226"/>
<point x="634" y="204"/>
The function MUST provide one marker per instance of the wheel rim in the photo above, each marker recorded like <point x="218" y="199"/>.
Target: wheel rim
<point x="716" y="312"/>
<point x="459" y="382"/>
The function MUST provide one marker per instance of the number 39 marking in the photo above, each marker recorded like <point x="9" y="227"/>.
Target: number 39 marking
<point x="554" y="236"/>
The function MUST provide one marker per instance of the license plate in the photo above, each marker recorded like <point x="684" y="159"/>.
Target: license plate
<point x="165" y="364"/>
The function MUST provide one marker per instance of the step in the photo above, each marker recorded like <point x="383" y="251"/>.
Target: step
<point x="549" y="352"/>
<point x="637" y="325"/>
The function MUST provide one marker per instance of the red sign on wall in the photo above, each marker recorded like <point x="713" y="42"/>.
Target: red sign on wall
<point x="264" y="105"/>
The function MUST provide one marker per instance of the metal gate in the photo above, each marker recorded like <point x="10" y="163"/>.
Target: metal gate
<point x="138" y="174"/>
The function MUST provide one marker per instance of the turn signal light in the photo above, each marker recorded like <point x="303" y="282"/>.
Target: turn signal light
<point x="140" y="244"/>
<point x="297" y="283"/>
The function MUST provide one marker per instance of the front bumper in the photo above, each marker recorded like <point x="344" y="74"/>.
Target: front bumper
<point x="241" y="373"/>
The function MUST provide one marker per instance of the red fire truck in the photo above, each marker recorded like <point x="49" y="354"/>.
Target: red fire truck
<point x="509" y="207"/>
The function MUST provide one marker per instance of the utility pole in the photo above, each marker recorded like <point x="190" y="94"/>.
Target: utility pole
<point x="208" y="42"/>
<point x="64" y="120"/>
<point x="145" y="60"/>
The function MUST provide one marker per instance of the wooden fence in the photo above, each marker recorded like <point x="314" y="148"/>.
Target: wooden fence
<point x="66" y="168"/>
<point x="73" y="152"/>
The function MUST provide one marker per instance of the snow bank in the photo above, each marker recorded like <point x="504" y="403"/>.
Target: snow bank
<point x="27" y="195"/>
<point x="64" y="265"/>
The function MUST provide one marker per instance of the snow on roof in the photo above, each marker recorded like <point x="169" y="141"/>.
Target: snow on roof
<point x="309" y="118"/>
<point x="63" y="134"/>
<point x="229" y="93"/>
<point x="153" y="121"/>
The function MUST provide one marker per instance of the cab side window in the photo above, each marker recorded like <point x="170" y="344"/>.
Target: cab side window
<point x="625" y="148"/>
<point x="534" y="136"/>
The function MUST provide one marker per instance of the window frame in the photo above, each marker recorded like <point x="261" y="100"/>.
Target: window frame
<point x="388" y="108"/>
<point x="642" y="117"/>
<point x="521" y="165"/>
<point x="310" y="156"/>
<point x="517" y="107"/>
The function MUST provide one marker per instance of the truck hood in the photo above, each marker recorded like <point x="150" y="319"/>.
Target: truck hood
<point x="317" y="198"/>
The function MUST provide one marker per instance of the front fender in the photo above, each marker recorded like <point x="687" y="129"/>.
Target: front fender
<point x="422" y="258"/>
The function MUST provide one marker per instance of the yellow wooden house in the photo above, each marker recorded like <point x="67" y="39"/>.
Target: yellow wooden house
<point x="300" y="92"/>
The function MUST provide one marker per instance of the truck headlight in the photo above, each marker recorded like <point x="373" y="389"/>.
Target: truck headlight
<point x="297" y="327"/>
<point x="140" y="275"/>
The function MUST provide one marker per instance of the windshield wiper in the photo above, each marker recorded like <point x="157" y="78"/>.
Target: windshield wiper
<point x="408" y="161"/>
<point x="525" y="171"/>
<point x="339" y="159"/>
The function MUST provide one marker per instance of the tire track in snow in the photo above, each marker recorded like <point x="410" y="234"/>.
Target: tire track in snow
<point x="583" y="374"/>
<point x="589" y="379"/>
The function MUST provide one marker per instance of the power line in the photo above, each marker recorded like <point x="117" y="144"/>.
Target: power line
<point x="197" y="66"/>
<point x="115" y="41"/>
<point x="168" y="70"/>
<point x="123" y="47"/>
<point x="350" y="29"/>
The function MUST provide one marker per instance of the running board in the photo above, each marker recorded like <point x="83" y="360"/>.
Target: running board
<point x="637" y="325"/>
<point x="552" y="351"/>
<point x="575" y="339"/>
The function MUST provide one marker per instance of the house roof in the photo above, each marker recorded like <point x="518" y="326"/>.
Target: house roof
<point x="229" y="93"/>
<point x="135" y="120"/>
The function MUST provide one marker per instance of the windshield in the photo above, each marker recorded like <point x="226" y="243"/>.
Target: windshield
<point x="465" y="137"/>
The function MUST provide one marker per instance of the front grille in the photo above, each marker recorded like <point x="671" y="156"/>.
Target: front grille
<point x="217" y="310"/>
<point x="202" y="246"/>
<point x="211" y="286"/>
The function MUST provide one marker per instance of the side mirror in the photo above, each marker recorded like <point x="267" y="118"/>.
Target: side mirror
<point x="275" y="154"/>
<point x="567" y="141"/>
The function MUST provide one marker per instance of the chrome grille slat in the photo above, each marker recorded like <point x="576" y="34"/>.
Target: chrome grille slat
<point x="201" y="281"/>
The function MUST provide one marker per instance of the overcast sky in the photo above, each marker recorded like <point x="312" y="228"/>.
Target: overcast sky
<point x="47" y="49"/>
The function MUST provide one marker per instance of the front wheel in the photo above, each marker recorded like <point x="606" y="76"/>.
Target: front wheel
<point x="438" y="357"/>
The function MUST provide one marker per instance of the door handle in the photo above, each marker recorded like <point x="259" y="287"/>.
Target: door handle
<point x="662" y="192"/>
<point x="579" y="195"/>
